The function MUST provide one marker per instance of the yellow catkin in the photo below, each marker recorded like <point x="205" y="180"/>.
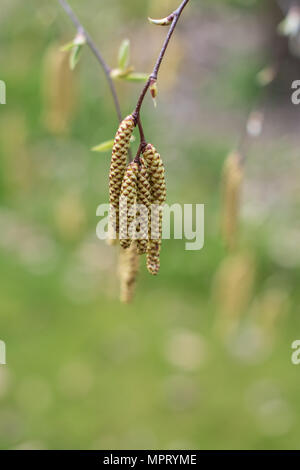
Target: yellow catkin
<point x="17" y="163"/>
<point x="232" y="291"/>
<point x="156" y="174"/>
<point x="153" y="256"/>
<point x="128" y="270"/>
<point x="158" y="197"/>
<point x="127" y="202"/>
<point x="59" y="91"/>
<point x="232" y="183"/>
<point x="70" y="216"/>
<point x="144" y="199"/>
<point x="118" y="167"/>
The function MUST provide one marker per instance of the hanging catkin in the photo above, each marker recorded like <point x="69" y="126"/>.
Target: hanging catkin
<point x="232" y="182"/>
<point x="118" y="167"/>
<point x="144" y="200"/>
<point x="156" y="174"/>
<point x="59" y="91"/>
<point x="153" y="256"/>
<point x="127" y="203"/>
<point x="233" y="290"/>
<point x="128" y="270"/>
<point x="158" y="198"/>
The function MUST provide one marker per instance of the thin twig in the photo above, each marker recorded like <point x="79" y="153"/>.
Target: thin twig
<point x="65" y="5"/>
<point x="175" y="15"/>
<point x="143" y="142"/>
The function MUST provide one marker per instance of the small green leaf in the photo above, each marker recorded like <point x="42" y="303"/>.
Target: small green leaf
<point x="104" y="146"/>
<point x="67" y="47"/>
<point x="117" y="74"/>
<point x="124" y="54"/>
<point x="136" y="77"/>
<point x="79" y="40"/>
<point x="75" y="56"/>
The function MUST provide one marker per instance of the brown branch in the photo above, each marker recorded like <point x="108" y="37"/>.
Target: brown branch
<point x="143" y="142"/>
<point x="175" y="15"/>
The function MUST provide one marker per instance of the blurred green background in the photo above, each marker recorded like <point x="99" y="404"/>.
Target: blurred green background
<point x="202" y="358"/>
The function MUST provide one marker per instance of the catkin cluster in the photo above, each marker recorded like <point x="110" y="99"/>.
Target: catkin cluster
<point x="137" y="192"/>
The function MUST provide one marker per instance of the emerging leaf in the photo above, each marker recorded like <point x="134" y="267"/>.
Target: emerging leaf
<point x="162" y="21"/>
<point x="67" y="47"/>
<point x="153" y="90"/>
<point x="121" y="73"/>
<point x="108" y="145"/>
<point x="104" y="146"/>
<point x="75" y="56"/>
<point x="124" y="54"/>
<point x="136" y="77"/>
<point x="79" y="40"/>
